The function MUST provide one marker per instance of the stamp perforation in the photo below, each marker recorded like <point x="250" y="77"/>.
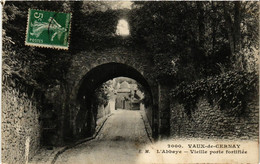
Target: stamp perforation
<point x="58" y="47"/>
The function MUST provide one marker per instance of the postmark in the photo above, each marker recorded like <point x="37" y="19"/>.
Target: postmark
<point x="48" y="29"/>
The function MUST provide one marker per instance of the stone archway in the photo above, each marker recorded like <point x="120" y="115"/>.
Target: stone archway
<point x="88" y="70"/>
<point x="81" y="116"/>
<point x="101" y="66"/>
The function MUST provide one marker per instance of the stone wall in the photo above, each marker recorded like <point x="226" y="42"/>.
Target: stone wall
<point x="103" y="111"/>
<point x="85" y="122"/>
<point x="163" y="106"/>
<point x="209" y="121"/>
<point x="148" y="112"/>
<point x="20" y="122"/>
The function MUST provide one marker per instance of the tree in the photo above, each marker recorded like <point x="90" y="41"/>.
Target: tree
<point x="191" y="40"/>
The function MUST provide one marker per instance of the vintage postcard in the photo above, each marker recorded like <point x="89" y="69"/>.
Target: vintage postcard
<point x="133" y="82"/>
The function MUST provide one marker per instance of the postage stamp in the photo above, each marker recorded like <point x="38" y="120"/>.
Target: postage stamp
<point x="48" y="29"/>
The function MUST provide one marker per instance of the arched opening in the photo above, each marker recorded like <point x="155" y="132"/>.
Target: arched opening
<point x="85" y="121"/>
<point x="122" y="28"/>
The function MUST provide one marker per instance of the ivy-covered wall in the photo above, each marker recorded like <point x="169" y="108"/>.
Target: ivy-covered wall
<point x="209" y="121"/>
<point x="224" y="106"/>
<point x="20" y="122"/>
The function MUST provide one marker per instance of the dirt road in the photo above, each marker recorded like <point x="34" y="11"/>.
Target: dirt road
<point x="119" y="141"/>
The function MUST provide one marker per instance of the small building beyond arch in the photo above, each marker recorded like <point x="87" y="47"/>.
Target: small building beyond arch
<point x="128" y="96"/>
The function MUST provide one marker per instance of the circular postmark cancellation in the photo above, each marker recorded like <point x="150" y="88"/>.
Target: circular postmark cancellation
<point x="48" y="29"/>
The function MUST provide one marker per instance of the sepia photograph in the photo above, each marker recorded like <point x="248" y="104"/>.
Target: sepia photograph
<point x="130" y="82"/>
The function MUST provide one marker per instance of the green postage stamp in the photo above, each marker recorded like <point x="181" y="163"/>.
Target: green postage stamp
<point x="48" y="29"/>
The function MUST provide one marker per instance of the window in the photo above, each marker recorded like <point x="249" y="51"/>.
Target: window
<point x="122" y="28"/>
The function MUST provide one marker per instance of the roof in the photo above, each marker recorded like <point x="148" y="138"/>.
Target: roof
<point x="124" y="85"/>
<point x="123" y="90"/>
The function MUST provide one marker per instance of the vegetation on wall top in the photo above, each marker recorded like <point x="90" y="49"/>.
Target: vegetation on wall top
<point x="231" y="90"/>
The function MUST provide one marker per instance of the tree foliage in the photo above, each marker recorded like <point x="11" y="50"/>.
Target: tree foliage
<point x="191" y="40"/>
<point x="29" y="66"/>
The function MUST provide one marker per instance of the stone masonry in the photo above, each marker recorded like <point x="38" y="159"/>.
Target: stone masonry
<point x="20" y="122"/>
<point x="209" y="121"/>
